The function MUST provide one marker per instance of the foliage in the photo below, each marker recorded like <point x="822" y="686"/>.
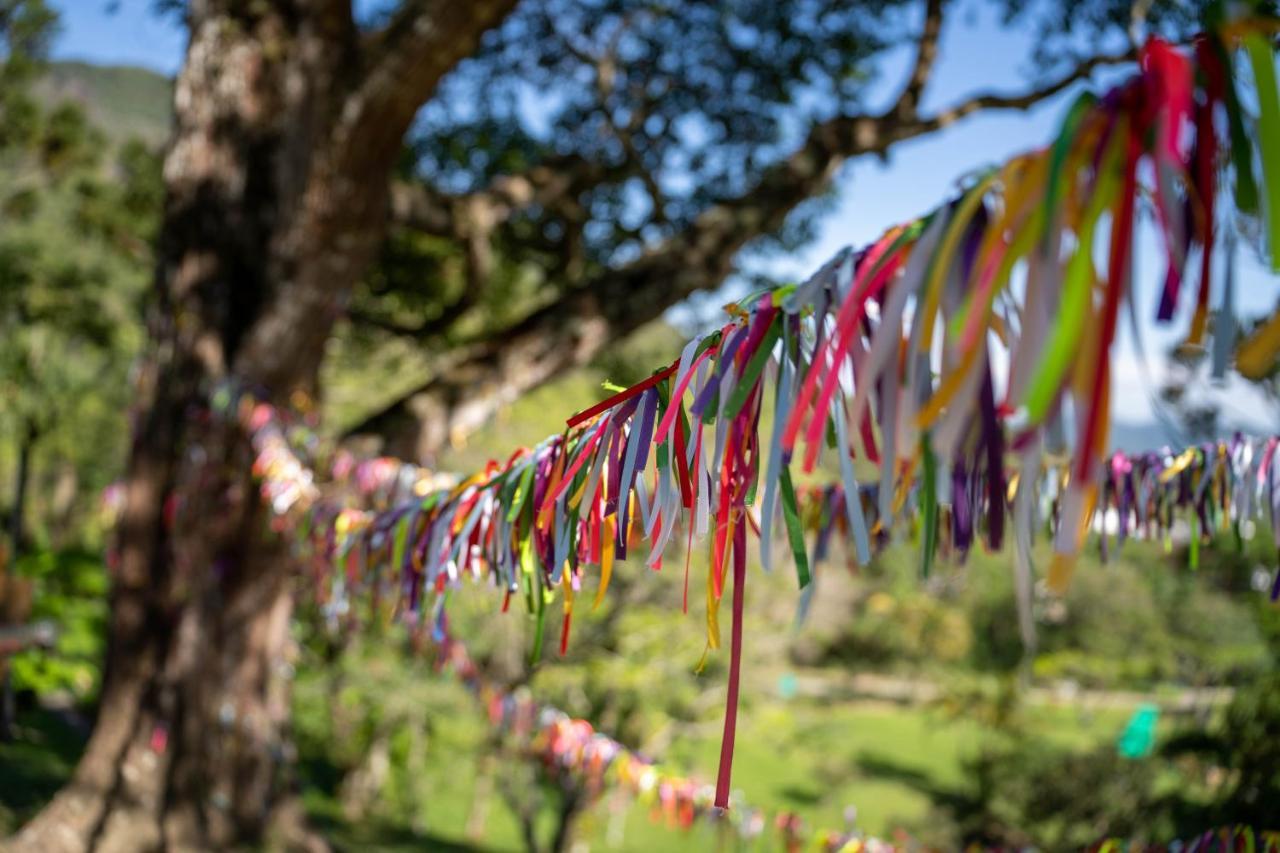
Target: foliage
<point x="1252" y="732"/>
<point x="1110" y="630"/>
<point x="363" y="718"/>
<point x="1029" y="791"/>
<point x="26" y="29"/>
<point x="586" y="138"/>
<point x="1138" y="620"/>
<point x="901" y="766"/>
<point x="36" y="764"/>
<point x="71" y="592"/>
<point x="914" y="629"/>
<point x="628" y="120"/>
<point x="1240" y="754"/>
<point x="124" y="102"/>
<point x="76" y="219"/>
<point x="1032" y="794"/>
<point x="702" y="93"/>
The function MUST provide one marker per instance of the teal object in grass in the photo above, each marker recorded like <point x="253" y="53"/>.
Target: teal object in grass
<point x="1138" y="739"/>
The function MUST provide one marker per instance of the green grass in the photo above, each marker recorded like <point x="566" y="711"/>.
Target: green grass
<point x="896" y="764"/>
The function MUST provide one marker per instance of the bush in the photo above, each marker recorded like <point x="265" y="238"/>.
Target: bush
<point x="1113" y="629"/>
<point x="1028" y="793"/>
<point x="911" y="628"/>
<point x="1216" y="638"/>
<point x="70" y="591"/>
<point x="1251" y="735"/>
<point x="993" y="613"/>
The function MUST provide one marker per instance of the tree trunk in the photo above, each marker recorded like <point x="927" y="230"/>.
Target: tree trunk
<point x="276" y="178"/>
<point x="18" y="512"/>
<point x="62" y="505"/>
<point x="570" y="804"/>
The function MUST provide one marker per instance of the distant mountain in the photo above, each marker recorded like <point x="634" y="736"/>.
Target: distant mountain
<point x="120" y="100"/>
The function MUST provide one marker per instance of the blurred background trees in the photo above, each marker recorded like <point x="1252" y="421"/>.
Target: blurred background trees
<point x="77" y="217"/>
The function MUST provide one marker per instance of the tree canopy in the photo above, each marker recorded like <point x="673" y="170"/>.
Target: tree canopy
<point x="77" y="214"/>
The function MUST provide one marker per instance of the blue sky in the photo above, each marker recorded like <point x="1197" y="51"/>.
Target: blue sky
<point x="131" y="35"/>
<point x="976" y="55"/>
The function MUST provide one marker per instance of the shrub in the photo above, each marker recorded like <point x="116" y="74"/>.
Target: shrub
<point x="1028" y="793"/>
<point x="70" y="591"/>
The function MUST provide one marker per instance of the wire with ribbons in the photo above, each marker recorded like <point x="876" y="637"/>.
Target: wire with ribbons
<point x="883" y="359"/>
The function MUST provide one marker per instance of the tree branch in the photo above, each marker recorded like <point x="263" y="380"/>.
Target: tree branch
<point x="432" y="328"/>
<point x="995" y="101"/>
<point x="908" y="103"/>
<point x="405" y="61"/>
<point x="420" y="207"/>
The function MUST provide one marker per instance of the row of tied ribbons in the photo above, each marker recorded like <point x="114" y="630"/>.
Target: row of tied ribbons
<point x="883" y="360"/>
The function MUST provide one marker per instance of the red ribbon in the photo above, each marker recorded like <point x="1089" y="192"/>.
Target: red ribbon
<point x="735" y="666"/>
<point x="622" y="396"/>
<point x="1117" y="278"/>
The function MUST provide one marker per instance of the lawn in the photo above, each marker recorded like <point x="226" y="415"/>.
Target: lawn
<point x="895" y="764"/>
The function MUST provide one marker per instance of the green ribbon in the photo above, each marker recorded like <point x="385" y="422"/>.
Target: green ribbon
<point x="523" y="492"/>
<point x="401" y="537"/>
<point x="795" y="535"/>
<point x="1264" y="79"/>
<point x="1246" y="189"/>
<point x="1061" y="147"/>
<point x="1063" y="346"/>
<point x="754" y="368"/>
<point x="928" y="503"/>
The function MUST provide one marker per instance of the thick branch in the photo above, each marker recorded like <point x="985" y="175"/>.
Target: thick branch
<point x="405" y="62"/>
<point x="926" y="57"/>
<point x="547" y="185"/>
<point x="420" y="207"/>
<point x="342" y="197"/>
<point x="430" y="328"/>
<point x="996" y="101"/>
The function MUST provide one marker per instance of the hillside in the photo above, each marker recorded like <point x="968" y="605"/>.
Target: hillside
<point x="121" y="100"/>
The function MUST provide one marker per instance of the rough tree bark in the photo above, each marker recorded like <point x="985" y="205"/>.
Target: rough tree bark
<point x="287" y="123"/>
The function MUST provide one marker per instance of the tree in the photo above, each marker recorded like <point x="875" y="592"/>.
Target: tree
<point x="76" y="220"/>
<point x="288" y="122"/>
<point x="288" y="128"/>
<point x="73" y="254"/>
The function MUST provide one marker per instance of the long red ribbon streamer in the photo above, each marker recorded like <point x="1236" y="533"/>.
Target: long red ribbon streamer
<point x="735" y="666"/>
